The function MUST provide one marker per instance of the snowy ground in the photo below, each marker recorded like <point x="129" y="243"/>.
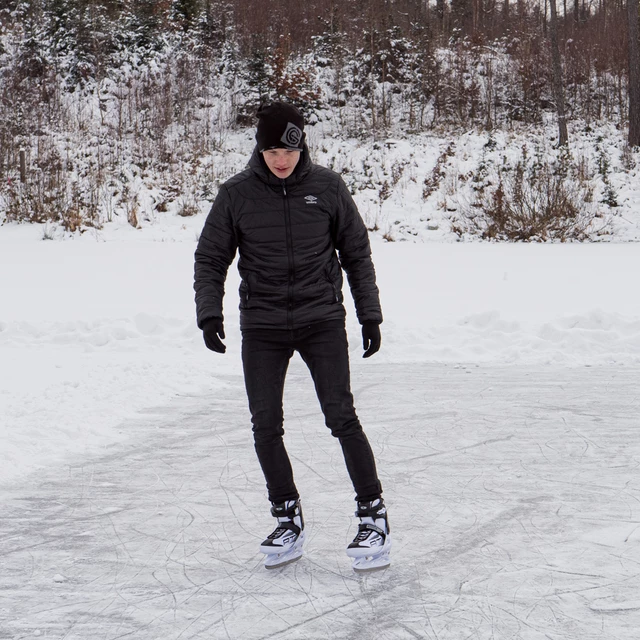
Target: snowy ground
<point x="502" y="408"/>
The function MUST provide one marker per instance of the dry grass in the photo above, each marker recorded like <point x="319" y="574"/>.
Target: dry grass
<point x="534" y="202"/>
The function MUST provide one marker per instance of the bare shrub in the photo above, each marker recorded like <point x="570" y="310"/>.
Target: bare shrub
<point x="432" y="181"/>
<point x="49" y="192"/>
<point x="537" y="200"/>
<point x="188" y="205"/>
<point x="131" y="205"/>
<point x="43" y="199"/>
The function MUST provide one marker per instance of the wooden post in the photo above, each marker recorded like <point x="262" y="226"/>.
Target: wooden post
<point x="23" y="165"/>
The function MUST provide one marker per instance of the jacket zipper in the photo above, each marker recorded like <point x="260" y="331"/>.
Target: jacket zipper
<point x="287" y="222"/>
<point x="333" y="285"/>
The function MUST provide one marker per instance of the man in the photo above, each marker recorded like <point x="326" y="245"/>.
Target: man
<point x="295" y="227"/>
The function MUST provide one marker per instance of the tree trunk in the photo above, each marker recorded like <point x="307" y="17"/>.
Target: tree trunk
<point x="558" y="84"/>
<point x="440" y="12"/>
<point x="634" y="74"/>
<point x="23" y="166"/>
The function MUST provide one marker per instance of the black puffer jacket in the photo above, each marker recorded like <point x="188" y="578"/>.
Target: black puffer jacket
<point x="287" y="233"/>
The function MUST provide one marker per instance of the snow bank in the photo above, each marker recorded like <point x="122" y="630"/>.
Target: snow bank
<point x="92" y="332"/>
<point x="534" y="304"/>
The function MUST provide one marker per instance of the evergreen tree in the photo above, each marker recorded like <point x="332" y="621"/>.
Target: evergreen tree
<point x="186" y="12"/>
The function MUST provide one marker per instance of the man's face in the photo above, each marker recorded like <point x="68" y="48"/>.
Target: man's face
<point x="281" y="162"/>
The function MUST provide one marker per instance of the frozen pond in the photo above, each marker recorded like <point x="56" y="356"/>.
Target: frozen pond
<point x="513" y="496"/>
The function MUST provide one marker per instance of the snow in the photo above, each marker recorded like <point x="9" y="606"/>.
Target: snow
<point x="502" y="409"/>
<point x="92" y="332"/>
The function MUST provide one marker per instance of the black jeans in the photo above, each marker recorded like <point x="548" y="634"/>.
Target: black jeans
<point x="265" y="357"/>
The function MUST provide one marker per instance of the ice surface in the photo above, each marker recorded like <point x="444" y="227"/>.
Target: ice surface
<point x="512" y="493"/>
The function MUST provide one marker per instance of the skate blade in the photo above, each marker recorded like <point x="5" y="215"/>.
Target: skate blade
<point x="366" y="564"/>
<point x="280" y="560"/>
<point x="275" y="560"/>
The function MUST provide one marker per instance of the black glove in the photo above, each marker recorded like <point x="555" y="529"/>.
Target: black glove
<point x="212" y="331"/>
<point x="371" y="338"/>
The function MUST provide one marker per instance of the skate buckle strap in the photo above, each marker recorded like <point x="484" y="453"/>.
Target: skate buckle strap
<point x="367" y="526"/>
<point x="376" y="512"/>
<point x="278" y="511"/>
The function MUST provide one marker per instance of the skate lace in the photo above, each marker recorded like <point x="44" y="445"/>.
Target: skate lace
<point x="276" y="533"/>
<point x="363" y="534"/>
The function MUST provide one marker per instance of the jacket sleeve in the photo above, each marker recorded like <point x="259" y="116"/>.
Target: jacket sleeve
<point x="352" y="242"/>
<point x="215" y="252"/>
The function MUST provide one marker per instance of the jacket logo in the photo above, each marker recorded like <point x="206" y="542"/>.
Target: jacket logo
<point x="310" y="199"/>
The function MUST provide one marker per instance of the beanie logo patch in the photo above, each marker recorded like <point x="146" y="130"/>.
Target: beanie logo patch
<point x="292" y="135"/>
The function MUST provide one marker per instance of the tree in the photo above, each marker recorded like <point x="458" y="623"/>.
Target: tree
<point x="462" y="16"/>
<point x="558" y="84"/>
<point x="186" y="12"/>
<point x="634" y="74"/>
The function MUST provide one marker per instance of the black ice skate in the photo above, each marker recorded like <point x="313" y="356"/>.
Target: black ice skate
<point x="284" y="545"/>
<point x="371" y="548"/>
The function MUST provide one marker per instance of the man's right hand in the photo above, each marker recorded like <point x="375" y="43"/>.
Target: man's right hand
<point x="212" y="331"/>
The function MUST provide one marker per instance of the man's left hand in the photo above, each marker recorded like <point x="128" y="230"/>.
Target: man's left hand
<point x="371" y="338"/>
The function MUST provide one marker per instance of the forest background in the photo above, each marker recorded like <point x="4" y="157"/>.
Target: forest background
<point x="130" y="110"/>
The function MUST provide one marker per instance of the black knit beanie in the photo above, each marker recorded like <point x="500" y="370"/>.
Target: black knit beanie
<point x="280" y="126"/>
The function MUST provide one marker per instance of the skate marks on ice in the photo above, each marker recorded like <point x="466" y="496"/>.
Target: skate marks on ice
<point x="530" y="487"/>
<point x="512" y="494"/>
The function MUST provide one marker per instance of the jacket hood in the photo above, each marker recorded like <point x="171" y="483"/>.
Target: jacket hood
<point x="259" y="167"/>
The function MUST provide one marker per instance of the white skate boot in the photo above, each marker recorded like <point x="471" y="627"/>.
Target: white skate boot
<point x="371" y="548"/>
<point x="284" y="545"/>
